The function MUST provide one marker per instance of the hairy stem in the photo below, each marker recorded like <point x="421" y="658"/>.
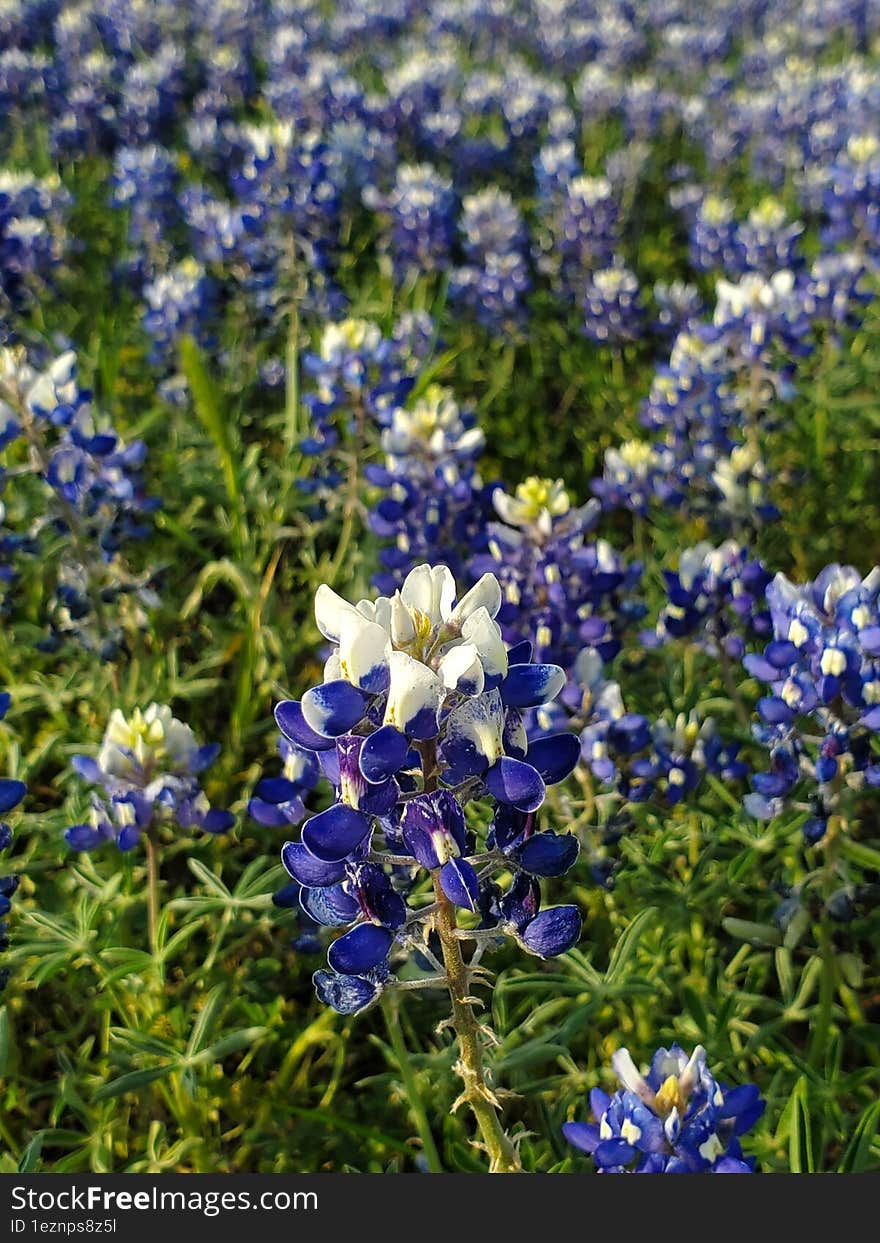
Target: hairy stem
<point x="503" y="1156"/>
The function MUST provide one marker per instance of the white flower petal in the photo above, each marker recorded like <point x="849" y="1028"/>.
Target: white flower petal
<point x="485" y="634"/>
<point x="461" y="669"/>
<point x="415" y="694"/>
<point x="364" y="648"/>
<point x="330" y="609"/>
<point x="485" y="593"/>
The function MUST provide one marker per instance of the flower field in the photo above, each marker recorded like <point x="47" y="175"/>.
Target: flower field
<point x="440" y="583"/>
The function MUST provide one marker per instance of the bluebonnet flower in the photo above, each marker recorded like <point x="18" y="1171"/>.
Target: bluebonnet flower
<point x="580" y="232"/>
<point x="561" y="591"/>
<point x="179" y="302"/>
<point x="93" y="493"/>
<point x="360" y="378"/>
<point x="613" y="313"/>
<point x="148" y="770"/>
<point x="144" y="184"/>
<point x="433" y="504"/>
<point x="717" y="594"/>
<point x="495" y="279"/>
<point x="634" y="474"/>
<point x="679" y="307"/>
<point x="420" y="712"/>
<point x="31" y="239"/>
<point x="676" y="1119"/>
<point x="820" y="713"/>
<point x="279" y="800"/>
<point x="852" y="197"/>
<point x="767" y="240"/>
<point x="421" y="209"/>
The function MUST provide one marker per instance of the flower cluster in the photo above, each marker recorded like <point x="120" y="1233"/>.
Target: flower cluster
<point x="821" y="712"/>
<point x="561" y="591"/>
<point x="676" y="1119"/>
<point x="31" y="240"/>
<point x="91" y="491"/>
<point x="420" y="712"/>
<point x="433" y="504"/>
<point x="422" y="211"/>
<point x="717" y="594"/>
<point x="495" y="280"/>
<point x="148" y="770"/>
<point x="357" y="373"/>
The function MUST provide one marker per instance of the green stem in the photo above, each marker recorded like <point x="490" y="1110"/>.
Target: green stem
<point x="413" y="1096"/>
<point x="152" y="852"/>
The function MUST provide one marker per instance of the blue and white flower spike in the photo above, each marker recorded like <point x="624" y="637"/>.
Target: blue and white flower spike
<point x="676" y="1119"/>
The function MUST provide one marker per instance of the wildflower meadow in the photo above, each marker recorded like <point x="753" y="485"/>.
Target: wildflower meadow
<point x="440" y="586"/>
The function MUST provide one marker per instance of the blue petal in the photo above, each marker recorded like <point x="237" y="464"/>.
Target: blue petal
<point x="334" y="707"/>
<point x="515" y="782"/>
<point x="383" y="754"/>
<point x="302" y="865"/>
<point x="277" y="790"/>
<point x="581" y="1135"/>
<point x="460" y="883"/>
<point x="11" y="794"/>
<point x="553" y="931"/>
<point x="360" y="950"/>
<point x="332" y="907"/>
<point x="218" y="820"/>
<point x="520" y="653"/>
<point x="87" y="768"/>
<point x="774" y="711"/>
<point x="528" y="686"/>
<point x="548" y="854"/>
<point x="290" y="720"/>
<point x="555" y="757"/>
<point x="781" y="654"/>
<point x="335" y="833"/>
<point x="287" y="896"/>
<point x="83" y="837"/>
<point x="347" y="994"/>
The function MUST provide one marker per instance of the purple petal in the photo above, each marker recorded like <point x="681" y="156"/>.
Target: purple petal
<point x="581" y="1135"/>
<point x="332" y="907"/>
<point x="346" y="994"/>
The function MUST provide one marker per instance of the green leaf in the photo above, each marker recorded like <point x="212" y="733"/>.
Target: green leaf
<point x="858" y="1157"/>
<point x="132" y="1081"/>
<point x="30" y="1158"/>
<point x="626" y="947"/>
<point x="800" y="1136"/>
<point x="209" y="409"/>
